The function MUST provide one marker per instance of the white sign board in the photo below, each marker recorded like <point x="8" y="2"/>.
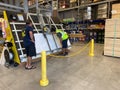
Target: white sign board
<point x="41" y="43"/>
<point x="51" y="42"/>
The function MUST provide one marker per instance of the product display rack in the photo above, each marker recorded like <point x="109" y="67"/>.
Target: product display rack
<point x="91" y="29"/>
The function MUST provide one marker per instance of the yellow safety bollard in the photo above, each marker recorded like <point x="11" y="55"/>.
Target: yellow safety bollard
<point x="44" y="81"/>
<point x="91" y="52"/>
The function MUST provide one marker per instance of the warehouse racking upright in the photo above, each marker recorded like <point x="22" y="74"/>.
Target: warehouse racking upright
<point x="16" y="23"/>
<point x="112" y="33"/>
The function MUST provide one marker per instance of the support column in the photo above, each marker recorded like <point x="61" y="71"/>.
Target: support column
<point x="17" y="3"/>
<point x="36" y="2"/>
<point x="5" y="1"/>
<point x="44" y="81"/>
<point x="55" y="8"/>
<point x="11" y="2"/>
<point x="55" y="15"/>
<point x="25" y="5"/>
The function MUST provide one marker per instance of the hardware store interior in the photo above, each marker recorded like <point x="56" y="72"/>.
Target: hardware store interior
<point x="90" y="60"/>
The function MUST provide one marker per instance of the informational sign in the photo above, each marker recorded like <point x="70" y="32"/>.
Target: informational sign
<point x="20" y="17"/>
<point x="51" y="42"/>
<point x="41" y="43"/>
<point x="55" y="5"/>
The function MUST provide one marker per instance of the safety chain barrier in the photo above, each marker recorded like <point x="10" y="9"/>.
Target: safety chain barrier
<point x="91" y="52"/>
<point x="44" y="80"/>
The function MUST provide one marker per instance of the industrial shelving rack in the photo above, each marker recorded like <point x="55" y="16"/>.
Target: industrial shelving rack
<point x="76" y="12"/>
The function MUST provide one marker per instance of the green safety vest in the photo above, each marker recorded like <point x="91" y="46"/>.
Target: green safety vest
<point x="64" y="34"/>
<point x="23" y="32"/>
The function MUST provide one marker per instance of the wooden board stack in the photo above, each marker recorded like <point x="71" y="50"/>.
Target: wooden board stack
<point x="112" y="37"/>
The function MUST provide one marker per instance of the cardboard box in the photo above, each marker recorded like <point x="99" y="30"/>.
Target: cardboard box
<point x="102" y="16"/>
<point x="102" y="6"/>
<point x="116" y="6"/>
<point x="115" y="11"/>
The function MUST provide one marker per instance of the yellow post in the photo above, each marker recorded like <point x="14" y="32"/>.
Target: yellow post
<point x="10" y="38"/>
<point x="91" y="52"/>
<point x="44" y="81"/>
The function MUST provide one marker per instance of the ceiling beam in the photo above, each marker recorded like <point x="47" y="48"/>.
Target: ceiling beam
<point x="8" y="9"/>
<point x="11" y="6"/>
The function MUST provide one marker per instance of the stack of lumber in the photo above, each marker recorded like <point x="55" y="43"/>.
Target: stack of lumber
<point x="112" y="38"/>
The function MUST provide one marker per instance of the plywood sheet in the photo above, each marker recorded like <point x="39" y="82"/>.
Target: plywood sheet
<point x="112" y="34"/>
<point x="111" y="47"/>
<point x="112" y="28"/>
<point x="112" y="21"/>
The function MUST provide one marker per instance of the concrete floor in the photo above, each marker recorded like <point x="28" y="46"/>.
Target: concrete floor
<point x="81" y="72"/>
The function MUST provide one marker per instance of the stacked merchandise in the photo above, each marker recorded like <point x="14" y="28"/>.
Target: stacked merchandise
<point x="73" y="3"/>
<point x="112" y="38"/>
<point x="64" y="4"/>
<point x="86" y="1"/>
<point x="89" y="12"/>
<point x="97" y="35"/>
<point x="102" y="11"/>
<point x="100" y="36"/>
<point x="85" y="13"/>
<point x="96" y="28"/>
<point x="97" y="0"/>
<point x="93" y="35"/>
<point x="116" y="11"/>
<point x="82" y="14"/>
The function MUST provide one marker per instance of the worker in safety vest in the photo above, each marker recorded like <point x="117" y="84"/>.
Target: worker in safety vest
<point x="63" y="37"/>
<point x="2" y="31"/>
